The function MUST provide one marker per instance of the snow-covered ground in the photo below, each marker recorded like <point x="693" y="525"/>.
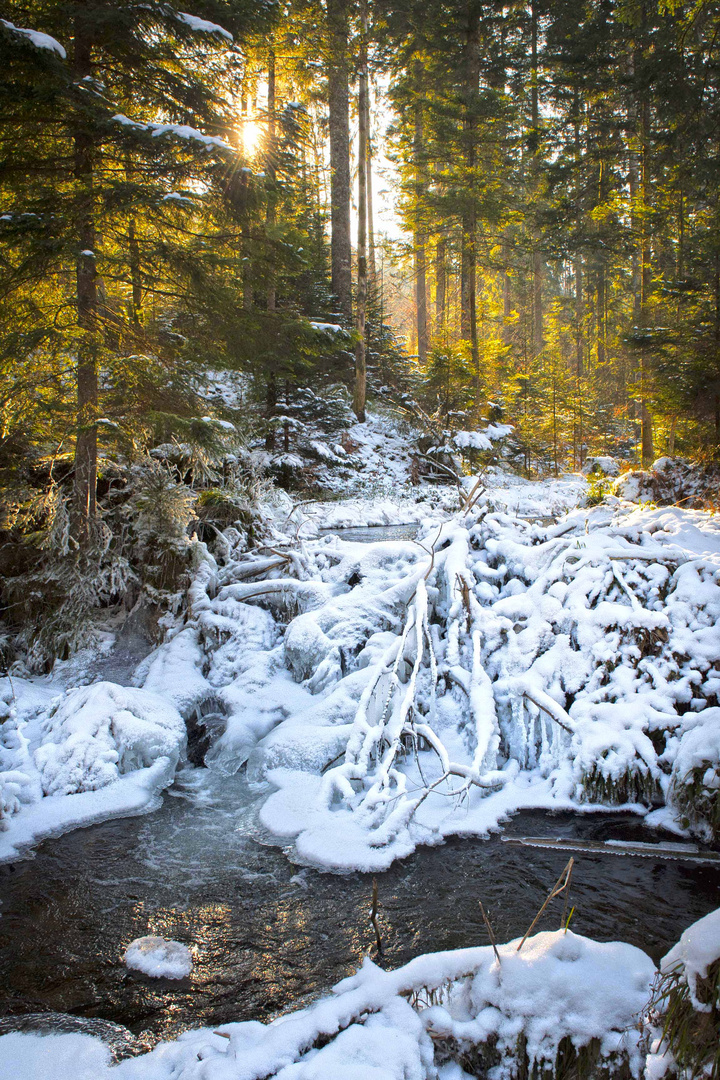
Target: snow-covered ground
<point x="529" y="653"/>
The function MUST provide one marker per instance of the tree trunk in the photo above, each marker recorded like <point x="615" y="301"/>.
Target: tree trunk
<point x="537" y="259"/>
<point x="440" y="283"/>
<point x="421" y="311"/>
<point x="372" y="270"/>
<point x="338" y="103"/>
<point x="135" y="278"/>
<point x="507" y="332"/>
<point x="270" y="169"/>
<point x="469" y="219"/>
<point x="361" y="305"/>
<point x="647" y="449"/>
<point x="85" y="480"/>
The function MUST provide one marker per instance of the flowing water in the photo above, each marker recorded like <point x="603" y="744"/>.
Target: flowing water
<point x="266" y="934"/>
<point x="370" y="534"/>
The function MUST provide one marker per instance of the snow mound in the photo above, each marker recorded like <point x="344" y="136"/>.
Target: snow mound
<point x="697" y="949"/>
<point x="601" y="466"/>
<point x="52" y="1057"/>
<point x="101" y="732"/>
<point x="671" y="480"/>
<point x="558" y="985"/>
<point x="159" y="958"/>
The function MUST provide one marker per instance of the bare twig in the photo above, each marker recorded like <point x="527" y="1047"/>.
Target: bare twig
<point x="562" y="883"/>
<point x="489" y="929"/>
<point x="374" y="917"/>
<point x="472" y="497"/>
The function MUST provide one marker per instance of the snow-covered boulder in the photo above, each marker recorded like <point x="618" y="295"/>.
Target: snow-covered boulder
<point x="695" y="778"/>
<point x="602" y="465"/>
<point x="159" y="958"/>
<point x="691" y="958"/>
<point x="558" y="986"/>
<point x="99" y="732"/>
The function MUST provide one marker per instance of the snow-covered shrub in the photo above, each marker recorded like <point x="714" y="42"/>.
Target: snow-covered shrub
<point x="669" y="481"/>
<point x="97" y="733"/>
<point x="685" y="1009"/>
<point x="695" y="778"/>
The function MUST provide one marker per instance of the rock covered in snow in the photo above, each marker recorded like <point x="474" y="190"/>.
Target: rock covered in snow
<point x="670" y="480"/>
<point x="558" y="985"/>
<point x="697" y="949"/>
<point x="604" y="465"/>
<point x="158" y="957"/>
<point x="100" y="732"/>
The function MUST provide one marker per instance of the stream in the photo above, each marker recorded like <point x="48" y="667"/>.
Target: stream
<point x="268" y="935"/>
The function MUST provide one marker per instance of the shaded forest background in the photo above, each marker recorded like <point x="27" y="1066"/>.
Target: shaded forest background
<point x="191" y="277"/>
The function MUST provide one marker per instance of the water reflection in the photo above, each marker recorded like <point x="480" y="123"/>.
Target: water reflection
<point x="266" y="935"/>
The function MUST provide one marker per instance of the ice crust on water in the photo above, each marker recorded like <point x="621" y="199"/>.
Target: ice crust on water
<point x="560" y="984"/>
<point x="159" y="958"/>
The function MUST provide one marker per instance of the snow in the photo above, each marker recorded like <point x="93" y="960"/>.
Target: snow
<point x="159" y="958"/>
<point x="224" y="424"/>
<point x="92" y="753"/>
<point x="374" y="1025"/>
<point x="328" y="328"/>
<point x="180" y="131"/>
<point x="53" y="1057"/>
<point x="482" y="440"/>
<point x="697" y="949"/>
<point x="38" y="39"/>
<point x="103" y="731"/>
<point x="202" y="25"/>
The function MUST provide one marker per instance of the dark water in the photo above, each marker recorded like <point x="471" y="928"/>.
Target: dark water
<point x="368" y="534"/>
<point x="267" y="934"/>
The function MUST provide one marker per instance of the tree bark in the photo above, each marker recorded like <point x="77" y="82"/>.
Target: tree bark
<point x="85" y="479"/>
<point x="338" y="104"/>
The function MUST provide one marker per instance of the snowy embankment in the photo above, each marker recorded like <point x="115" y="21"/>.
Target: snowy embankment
<point x="391" y="694"/>
<point x="555" y="1004"/>
<point x="93" y="753"/>
<point x="522" y="1004"/>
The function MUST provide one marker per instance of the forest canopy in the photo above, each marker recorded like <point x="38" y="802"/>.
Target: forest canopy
<point x="189" y="260"/>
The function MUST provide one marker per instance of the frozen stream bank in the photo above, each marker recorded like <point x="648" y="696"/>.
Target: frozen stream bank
<point x="267" y="935"/>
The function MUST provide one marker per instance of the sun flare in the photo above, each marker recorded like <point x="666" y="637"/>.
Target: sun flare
<point x="251" y="135"/>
